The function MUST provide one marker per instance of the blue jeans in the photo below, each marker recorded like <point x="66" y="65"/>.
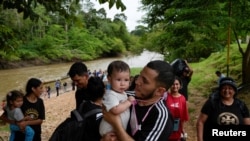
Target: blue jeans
<point x="29" y="132"/>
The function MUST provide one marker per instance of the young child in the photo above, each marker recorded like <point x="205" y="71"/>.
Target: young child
<point x="116" y="100"/>
<point x="14" y="102"/>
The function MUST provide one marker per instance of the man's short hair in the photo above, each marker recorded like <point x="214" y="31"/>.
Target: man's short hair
<point x="218" y="72"/>
<point x="165" y="73"/>
<point x="78" y="68"/>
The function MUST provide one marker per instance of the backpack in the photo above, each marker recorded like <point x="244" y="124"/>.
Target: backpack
<point x="178" y="66"/>
<point x="72" y="129"/>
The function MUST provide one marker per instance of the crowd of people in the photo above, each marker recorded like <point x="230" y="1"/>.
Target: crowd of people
<point x="152" y="105"/>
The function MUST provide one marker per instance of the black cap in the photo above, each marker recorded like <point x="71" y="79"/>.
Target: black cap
<point x="228" y="81"/>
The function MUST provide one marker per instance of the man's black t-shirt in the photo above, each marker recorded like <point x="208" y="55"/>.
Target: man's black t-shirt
<point x="80" y="95"/>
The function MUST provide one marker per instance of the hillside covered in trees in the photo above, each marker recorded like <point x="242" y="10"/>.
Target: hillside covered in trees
<point x="65" y="30"/>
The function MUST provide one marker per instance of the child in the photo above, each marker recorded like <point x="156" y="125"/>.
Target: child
<point x="14" y="102"/>
<point x="116" y="100"/>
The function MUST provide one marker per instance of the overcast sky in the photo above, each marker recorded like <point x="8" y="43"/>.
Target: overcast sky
<point x="132" y="12"/>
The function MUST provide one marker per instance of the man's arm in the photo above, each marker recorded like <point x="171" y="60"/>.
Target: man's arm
<point x="115" y="121"/>
<point x="190" y="69"/>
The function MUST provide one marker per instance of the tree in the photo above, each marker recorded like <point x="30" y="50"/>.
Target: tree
<point x="196" y="28"/>
<point x="27" y="6"/>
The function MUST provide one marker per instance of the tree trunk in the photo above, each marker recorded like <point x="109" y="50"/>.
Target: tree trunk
<point x="246" y="66"/>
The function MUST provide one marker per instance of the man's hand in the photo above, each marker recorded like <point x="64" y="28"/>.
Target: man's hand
<point x="131" y="99"/>
<point x="115" y="122"/>
<point x="109" y="137"/>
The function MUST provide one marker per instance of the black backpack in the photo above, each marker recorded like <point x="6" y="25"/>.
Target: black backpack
<point x="72" y="129"/>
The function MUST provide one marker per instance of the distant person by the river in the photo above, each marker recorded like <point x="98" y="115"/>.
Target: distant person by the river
<point x="58" y="86"/>
<point x="65" y="86"/>
<point x="48" y="91"/>
<point x="78" y="73"/>
<point x="222" y="108"/>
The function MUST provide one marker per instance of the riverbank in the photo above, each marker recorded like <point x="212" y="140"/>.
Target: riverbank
<point x="24" y="63"/>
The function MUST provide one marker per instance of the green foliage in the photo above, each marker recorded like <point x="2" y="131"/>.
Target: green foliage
<point x="9" y="56"/>
<point x="62" y="6"/>
<point x="194" y="29"/>
<point x="117" y="46"/>
<point x="86" y="35"/>
<point x="135" y="71"/>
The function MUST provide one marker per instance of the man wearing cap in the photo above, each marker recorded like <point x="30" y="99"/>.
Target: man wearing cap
<point x="78" y="73"/>
<point x="226" y="109"/>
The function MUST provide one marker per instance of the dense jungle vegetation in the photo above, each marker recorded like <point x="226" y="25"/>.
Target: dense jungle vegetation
<point x="67" y="30"/>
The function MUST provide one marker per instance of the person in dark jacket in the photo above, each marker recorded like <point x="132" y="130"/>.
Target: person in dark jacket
<point x="78" y="73"/>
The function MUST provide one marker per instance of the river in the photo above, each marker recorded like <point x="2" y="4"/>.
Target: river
<point x="17" y="78"/>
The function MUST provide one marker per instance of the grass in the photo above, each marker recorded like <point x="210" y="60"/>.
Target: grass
<point x="4" y="126"/>
<point x="204" y="71"/>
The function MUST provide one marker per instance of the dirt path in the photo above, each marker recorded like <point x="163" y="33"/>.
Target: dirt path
<point x="57" y="110"/>
<point x="194" y="105"/>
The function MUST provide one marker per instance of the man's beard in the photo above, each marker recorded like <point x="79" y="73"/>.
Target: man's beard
<point x="146" y="97"/>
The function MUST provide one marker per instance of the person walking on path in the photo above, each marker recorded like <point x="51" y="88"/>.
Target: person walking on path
<point x="223" y="108"/>
<point x="177" y="105"/>
<point x="220" y="76"/>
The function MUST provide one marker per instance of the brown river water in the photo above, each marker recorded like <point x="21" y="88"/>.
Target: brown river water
<point x="16" y="78"/>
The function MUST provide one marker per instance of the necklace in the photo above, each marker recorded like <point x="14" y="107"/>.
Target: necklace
<point x="32" y="99"/>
